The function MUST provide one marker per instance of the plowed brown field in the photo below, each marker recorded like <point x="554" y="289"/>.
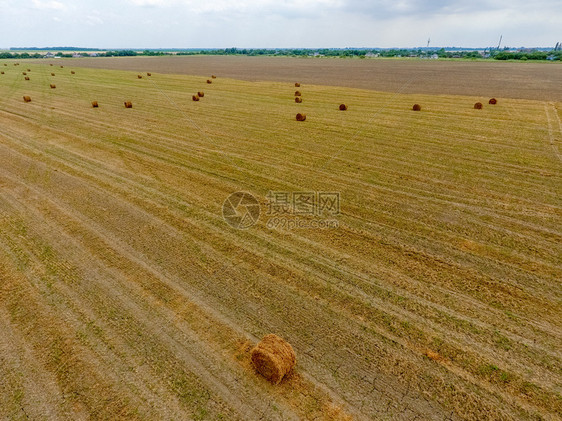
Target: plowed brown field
<point x="540" y="81"/>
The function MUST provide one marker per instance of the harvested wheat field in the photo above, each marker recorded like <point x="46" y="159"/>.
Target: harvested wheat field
<point x="434" y="294"/>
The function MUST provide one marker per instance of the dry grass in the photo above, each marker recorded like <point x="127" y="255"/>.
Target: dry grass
<point x="124" y="295"/>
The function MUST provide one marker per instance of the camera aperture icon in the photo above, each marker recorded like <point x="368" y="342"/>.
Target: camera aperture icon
<point x="241" y="210"/>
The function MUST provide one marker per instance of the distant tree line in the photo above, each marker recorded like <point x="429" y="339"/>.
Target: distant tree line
<point x="307" y="52"/>
<point x="532" y="55"/>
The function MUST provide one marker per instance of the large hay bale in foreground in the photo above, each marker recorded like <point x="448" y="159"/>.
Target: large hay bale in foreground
<point x="95" y="104"/>
<point x="343" y="107"/>
<point x="298" y="93"/>
<point x="26" y="98"/>
<point x="128" y="104"/>
<point x="478" y="106"/>
<point x="273" y="358"/>
<point x="201" y="94"/>
<point x="195" y="97"/>
<point x="493" y="101"/>
<point x="416" y="107"/>
<point x="298" y="99"/>
<point x="301" y="117"/>
<point x="53" y="86"/>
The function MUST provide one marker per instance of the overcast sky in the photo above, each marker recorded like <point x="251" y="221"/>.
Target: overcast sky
<point x="278" y="23"/>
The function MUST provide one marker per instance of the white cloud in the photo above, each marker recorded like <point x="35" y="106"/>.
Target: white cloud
<point x="48" y="5"/>
<point x="280" y="23"/>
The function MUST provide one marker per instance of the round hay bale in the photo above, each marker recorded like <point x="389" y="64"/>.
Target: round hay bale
<point x="297" y="85"/>
<point x="149" y="74"/>
<point x="29" y="70"/>
<point x="416" y="107"/>
<point x="298" y="99"/>
<point x="24" y="73"/>
<point x="2" y="73"/>
<point x="52" y="74"/>
<point x="62" y="67"/>
<point x="195" y="97"/>
<point x="478" y="106"/>
<point x="53" y="86"/>
<point x="128" y="104"/>
<point x="343" y="107"/>
<point x="273" y="358"/>
<point x="298" y="93"/>
<point x="50" y="64"/>
<point x="493" y="101"/>
<point x="213" y="77"/>
<point x="209" y="81"/>
<point x="139" y="76"/>
<point x="27" y="78"/>
<point x="201" y="94"/>
<point x="95" y="104"/>
<point x="72" y="72"/>
<point x="301" y="117"/>
<point x="26" y="98"/>
<point x="5" y="64"/>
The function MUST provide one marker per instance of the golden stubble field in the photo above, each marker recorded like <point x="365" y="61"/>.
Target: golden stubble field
<point x="125" y="295"/>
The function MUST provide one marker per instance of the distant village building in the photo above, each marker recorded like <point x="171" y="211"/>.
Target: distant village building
<point x="49" y="55"/>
